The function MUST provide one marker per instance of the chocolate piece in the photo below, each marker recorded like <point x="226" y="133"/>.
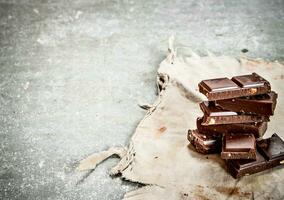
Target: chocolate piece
<point x="258" y="129"/>
<point x="250" y="81"/>
<point x="239" y="168"/>
<point x="271" y="148"/>
<point x="260" y="104"/>
<point x="238" y="146"/>
<point x="214" y="114"/>
<point x="204" y="144"/>
<point x="267" y="156"/>
<point x="238" y="86"/>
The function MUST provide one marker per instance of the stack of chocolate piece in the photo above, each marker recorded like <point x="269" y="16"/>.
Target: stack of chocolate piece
<point x="235" y="119"/>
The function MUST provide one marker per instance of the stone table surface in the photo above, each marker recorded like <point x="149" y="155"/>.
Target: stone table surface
<point x="73" y="72"/>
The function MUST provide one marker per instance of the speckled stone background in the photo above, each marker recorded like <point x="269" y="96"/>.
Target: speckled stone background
<point x="72" y="74"/>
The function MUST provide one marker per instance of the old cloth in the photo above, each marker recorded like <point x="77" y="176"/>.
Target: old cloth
<point x="159" y="153"/>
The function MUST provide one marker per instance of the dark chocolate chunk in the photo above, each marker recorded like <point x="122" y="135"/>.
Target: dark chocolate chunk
<point x="214" y="114"/>
<point x="260" y="104"/>
<point x="271" y="148"/>
<point x="203" y="143"/>
<point x="238" y="146"/>
<point x="239" y="168"/>
<point x="250" y="81"/>
<point x="269" y="154"/>
<point x="258" y="129"/>
<point x="219" y="84"/>
<point x="238" y="86"/>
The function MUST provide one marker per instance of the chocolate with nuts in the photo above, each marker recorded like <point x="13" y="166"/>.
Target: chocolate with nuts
<point x="238" y="86"/>
<point x="214" y="114"/>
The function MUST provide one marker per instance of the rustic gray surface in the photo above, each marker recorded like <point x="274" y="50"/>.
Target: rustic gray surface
<point x="72" y="75"/>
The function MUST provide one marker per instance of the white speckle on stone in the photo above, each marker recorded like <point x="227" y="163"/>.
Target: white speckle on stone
<point x="41" y="163"/>
<point x="78" y="14"/>
<point x="61" y="175"/>
<point x="36" y="11"/>
<point x="40" y="41"/>
<point x="26" y="85"/>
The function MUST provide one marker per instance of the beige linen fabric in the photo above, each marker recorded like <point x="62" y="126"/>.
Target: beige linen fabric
<point x="159" y="153"/>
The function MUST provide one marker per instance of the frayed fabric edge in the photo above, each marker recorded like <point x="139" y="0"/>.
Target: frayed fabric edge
<point x="93" y="160"/>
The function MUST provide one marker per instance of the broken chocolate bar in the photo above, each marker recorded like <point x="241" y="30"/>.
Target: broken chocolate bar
<point x="270" y="154"/>
<point x="204" y="144"/>
<point x="271" y="148"/>
<point x="258" y="129"/>
<point x="238" y="146"/>
<point x="214" y="114"/>
<point x="238" y="86"/>
<point x="260" y="104"/>
<point x="239" y="168"/>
